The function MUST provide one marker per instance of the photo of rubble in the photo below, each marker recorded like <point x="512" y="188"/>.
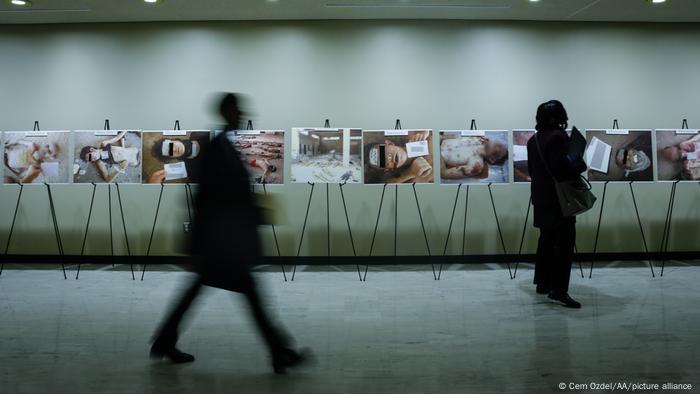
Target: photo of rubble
<point x="263" y="154"/>
<point x="324" y="155"/>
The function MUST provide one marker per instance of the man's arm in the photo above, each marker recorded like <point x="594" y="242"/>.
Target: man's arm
<point x="114" y="140"/>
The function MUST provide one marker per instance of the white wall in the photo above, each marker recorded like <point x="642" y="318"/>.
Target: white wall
<point x="434" y="74"/>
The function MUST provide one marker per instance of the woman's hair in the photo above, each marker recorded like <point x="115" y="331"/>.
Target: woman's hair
<point x="551" y="115"/>
<point x="85" y="151"/>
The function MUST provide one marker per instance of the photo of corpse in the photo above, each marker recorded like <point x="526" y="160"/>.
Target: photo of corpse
<point x="521" y="173"/>
<point x="472" y="156"/>
<point x="619" y="155"/>
<point x="36" y="157"/>
<point x="172" y="156"/>
<point x="326" y="155"/>
<point x="104" y="156"/>
<point x="263" y="154"/>
<point x="398" y="156"/>
<point x="678" y="153"/>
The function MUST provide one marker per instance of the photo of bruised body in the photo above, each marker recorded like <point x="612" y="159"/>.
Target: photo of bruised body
<point x="468" y="159"/>
<point x="262" y="153"/>
<point x="36" y="158"/>
<point x="678" y="154"/>
<point x="104" y="159"/>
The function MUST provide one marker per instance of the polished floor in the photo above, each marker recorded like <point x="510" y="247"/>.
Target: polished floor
<point x="474" y="331"/>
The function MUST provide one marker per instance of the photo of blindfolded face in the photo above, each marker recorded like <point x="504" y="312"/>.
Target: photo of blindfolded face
<point x="29" y="157"/>
<point x="397" y="156"/>
<point x="173" y="156"/>
<point x="630" y="156"/>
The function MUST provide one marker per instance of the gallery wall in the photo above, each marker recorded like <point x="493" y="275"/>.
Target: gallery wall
<point x="429" y="74"/>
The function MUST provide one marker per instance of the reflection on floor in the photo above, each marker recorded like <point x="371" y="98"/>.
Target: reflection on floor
<point x="474" y="331"/>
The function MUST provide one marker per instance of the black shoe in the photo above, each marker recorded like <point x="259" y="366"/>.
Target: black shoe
<point x="288" y="358"/>
<point x="564" y="299"/>
<point x="542" y="289"/>
<point x="174" y="354"/>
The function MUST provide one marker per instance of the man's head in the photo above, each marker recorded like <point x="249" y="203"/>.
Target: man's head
<point x="90" y="154"/>
<point x="496" y="153"/>
<point x="230" y="110"/>
<point x="166" y="149"/>
<point x="387" y="156"/>
<point x="671" y="153"/>
<point x="632" y="160"/>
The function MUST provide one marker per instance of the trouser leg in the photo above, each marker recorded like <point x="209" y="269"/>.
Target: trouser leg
<point x="543" y="262"/>
<point x="273" y="336"/>
<point x="166" y="335"/>
<point x="563" y="255"/>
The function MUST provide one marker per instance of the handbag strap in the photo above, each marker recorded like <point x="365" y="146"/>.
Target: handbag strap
<point x="544" y="161"/>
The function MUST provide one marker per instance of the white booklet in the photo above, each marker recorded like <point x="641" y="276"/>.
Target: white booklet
<point x="598" y="155"/>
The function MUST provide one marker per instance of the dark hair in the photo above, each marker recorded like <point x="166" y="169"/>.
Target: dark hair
<point x="272" y="168"/>
<point x="85" y="152"/>
<point x="551" y="115"/>
<point x="501" y="160"/>
<point x="157" y="150"/>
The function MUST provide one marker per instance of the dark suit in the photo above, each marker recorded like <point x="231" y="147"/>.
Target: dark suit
<point x="557" y="233"/>
<point x="225" y="238"/>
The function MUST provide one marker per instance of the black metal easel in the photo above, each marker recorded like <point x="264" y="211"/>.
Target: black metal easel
<point x="472" y="126"/>
<point x="396" y="216"/>
<point x="328" y="219"/>
<point x="111" y="229"/>
<point x="12" y="226"/>
<point x="669" y="214"/>
<point x="636" y="210"/>
<point x="59" y="242"/>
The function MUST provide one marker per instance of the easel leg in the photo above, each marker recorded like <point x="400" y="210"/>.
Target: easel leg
<point x="111" y="227"/>
<point x="498" y="226"/>
<point x="126" y="234"/>
<point x="87" y="227"/>
<point x="59" y="243"/>
<point x="277" y="245"/>
<point x="580" y="267"/>
<point x="396" y="216"/>
<point x="153" y="229"/>
<point x="422" y="225"/>
<point x="347" y="220"/>
<point x="464" y="224"/>
<point x="328" y="223"/>
<point x="303" y="229"/>
<point x="641" y="229"/>
<point x="374" y="234"/>
<point x="522" y="237"/>
<point x="449" y="229"/>
<point x="12" y="226"/>
<point x="667" y="232"/>
<point x="597" y="232"/>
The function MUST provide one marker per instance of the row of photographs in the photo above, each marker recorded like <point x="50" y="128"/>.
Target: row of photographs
<point x="337" y="155"/>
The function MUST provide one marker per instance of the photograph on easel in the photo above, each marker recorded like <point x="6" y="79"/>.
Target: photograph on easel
<point x="36" y="156"/>
<point x="325" y="155"/>
<point x="521" y="172"/>
<point x="397" y="156"/>
<point x="678" y="154"/>
<point x="474" y="156"/>
<point x="107" y="156"/>
<point x="173" y="156"/>
<point x="262" y="152"/>
<point x="619" y="155"/>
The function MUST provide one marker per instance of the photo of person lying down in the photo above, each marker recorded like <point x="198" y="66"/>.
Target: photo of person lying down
<point x="36" y="157"/>
<point x="397" y="156"/>
<point x="262" y="152"/>
<point x="326" y="155"/>
<point x="171" y="156"/>
<point x="106" y="156"/>
<point x="521" y="172"/>
<point x="474" y="156"/>
<point x="615" y="155"/>
<point x="678" y="153"/>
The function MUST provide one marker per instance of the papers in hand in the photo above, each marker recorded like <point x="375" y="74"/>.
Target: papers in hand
<point x="175" y="170"/>
<point x="577" y="144"/>
<point x="598" y="155"/>
<point x="49" y="168"/>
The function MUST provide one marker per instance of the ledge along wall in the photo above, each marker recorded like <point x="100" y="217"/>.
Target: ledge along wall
<point x="430" y="74"/>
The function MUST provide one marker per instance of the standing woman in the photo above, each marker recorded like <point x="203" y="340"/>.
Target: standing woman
<point x="549" y="162"/>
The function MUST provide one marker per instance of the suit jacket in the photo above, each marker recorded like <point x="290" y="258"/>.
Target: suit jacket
<point x="225" y="233"/>
<point x="554" y="145"/>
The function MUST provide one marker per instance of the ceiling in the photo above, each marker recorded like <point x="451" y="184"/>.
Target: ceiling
<point x="82" y="11"/>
